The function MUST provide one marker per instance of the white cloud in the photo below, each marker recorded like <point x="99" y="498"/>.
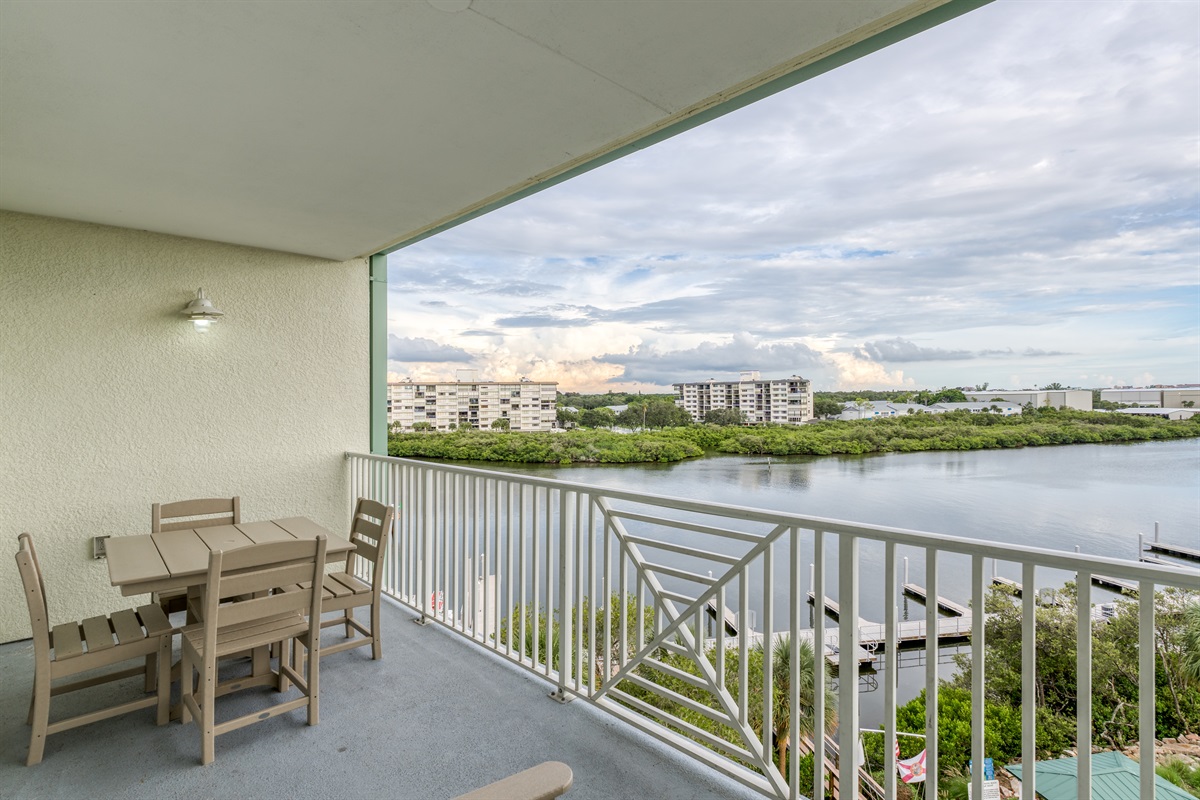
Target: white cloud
<point x="988" y="198"/>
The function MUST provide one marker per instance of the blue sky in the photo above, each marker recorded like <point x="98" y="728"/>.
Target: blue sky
<point x="1012" y="197"/>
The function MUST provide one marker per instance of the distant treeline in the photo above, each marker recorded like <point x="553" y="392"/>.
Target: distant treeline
<point x="958" y="430"/>
<point x="585" y="401"/>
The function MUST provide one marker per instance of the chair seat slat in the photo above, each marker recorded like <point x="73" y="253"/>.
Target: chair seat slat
<point x="67" y="641"/>
<point x="155" y="620"/>
<point x="349" y="582"/>
<point x="98" y="633"/>
<point x="129" y="629"/>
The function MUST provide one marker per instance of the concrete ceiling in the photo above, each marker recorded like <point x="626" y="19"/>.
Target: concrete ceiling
<point x="340" y="129"/>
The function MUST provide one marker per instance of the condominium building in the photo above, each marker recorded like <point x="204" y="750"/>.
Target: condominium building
<point x="787" y="401"/>
<point x="471" y="403"/>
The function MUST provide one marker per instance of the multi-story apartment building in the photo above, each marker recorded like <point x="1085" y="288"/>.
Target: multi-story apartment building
<point x="471" y="403"/>
<point x="787" y="401"/>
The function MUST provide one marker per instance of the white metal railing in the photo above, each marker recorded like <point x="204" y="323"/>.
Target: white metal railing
<point x="619" y="598"/>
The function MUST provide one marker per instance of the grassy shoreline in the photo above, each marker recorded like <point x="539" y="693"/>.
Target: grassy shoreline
<point x="955" y="431"/>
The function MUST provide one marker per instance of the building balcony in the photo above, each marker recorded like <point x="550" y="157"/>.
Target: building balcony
<point x="611" y="598"/>
<point x="436" y="717"/>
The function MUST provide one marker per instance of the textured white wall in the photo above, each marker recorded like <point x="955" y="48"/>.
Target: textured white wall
<point x="110" y="401"/>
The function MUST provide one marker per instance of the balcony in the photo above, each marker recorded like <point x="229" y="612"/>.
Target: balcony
<point x="435" y="718"/>
<point x="611" y="598"/>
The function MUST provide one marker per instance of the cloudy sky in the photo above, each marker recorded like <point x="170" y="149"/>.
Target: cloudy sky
<point x="1012" y="197"/>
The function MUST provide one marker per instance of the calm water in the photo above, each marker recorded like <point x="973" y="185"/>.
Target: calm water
<point x="1096" y="497"/>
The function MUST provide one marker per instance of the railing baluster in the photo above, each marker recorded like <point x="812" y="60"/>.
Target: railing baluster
<point x="820" y="762"/>
<point x="566" y="518"/>
<point x="1146" y="686"/>
<point x="623" y="578"/>
<point x="847" y="665"/>
<point x="535" y="617"/>
<point x="743" y="646"/>
<point x="549" y="576"/>
<point x="1083" y="685"/>
<point x="978" y="673"/>
<point x="596" y="597"/>
<point x="891" y="643"/>
<point x="1028" y="681"/>
<point x="719" y="637"/>
<point x="768" y="646"/>
<point x="578" y="594"/>
<point x="796" y="602"/>
<point x="931" y="672"/>
<point x="522" y="572"/>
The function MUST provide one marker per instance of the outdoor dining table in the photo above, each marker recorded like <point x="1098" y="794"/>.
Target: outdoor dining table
<point x="156" y="562"/>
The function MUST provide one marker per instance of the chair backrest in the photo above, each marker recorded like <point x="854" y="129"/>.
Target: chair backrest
<point x="35" y="595"/>
<point x="369" y="533"/>
<point x="257" y="569"/>
<point x="205" y="513"/>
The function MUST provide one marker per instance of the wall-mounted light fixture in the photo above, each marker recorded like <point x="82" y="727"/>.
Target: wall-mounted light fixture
<point x="201" y="311"/>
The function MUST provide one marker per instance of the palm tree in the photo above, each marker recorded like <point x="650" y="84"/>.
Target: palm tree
<point x="781" y="681"/>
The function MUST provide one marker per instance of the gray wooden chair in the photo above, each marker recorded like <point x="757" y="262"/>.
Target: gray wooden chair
<point x="185" y="515"/>
<point x="261" y="620"/>
<point x="344" y="591"/>
<point x="75" y="647"/>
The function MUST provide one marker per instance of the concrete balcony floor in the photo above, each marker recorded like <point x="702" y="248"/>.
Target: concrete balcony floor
<point x="436" y="717"/>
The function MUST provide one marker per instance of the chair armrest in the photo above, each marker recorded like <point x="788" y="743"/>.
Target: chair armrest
<point x="543" y="782"/>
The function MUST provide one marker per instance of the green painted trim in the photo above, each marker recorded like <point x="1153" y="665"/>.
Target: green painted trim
<point x="918" y="24"/>
<point x="379" y="340"/>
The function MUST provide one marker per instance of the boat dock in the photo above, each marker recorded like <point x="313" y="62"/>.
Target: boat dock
<point x="1007" y="583"/>
<point x="949" y="606"/>
<point x="833" y="649"/>
<point x="909" y="633"/>
<point x="1176" y="550"/>
<point x="833" y="610"/>
<point x="731" y="620"/>
<point x="1115" y="583"/>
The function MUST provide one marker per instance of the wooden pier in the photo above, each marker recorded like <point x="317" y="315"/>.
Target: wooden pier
<point x="833" y="649"/>
<point x="731" y="620"/>
<point x="1176" y="550"/>
<point x="1007" y="583"/>
<point x="949" y="606"/>
<point x="1115" y="583"/>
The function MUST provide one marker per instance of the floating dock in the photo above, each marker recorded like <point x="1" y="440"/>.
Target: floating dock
<point x="731" y="620"/>
<point x="949" y="606"/>
<point x="833" y="649"/>
<point x="1115" y="583"/>
<point x="1007" y="583"/>
<point x="1176" y="550"/>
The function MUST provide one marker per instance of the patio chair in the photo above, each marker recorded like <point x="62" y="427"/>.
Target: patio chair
<point x="546" y="781"/>
<point x="186" y="515"/>
<point x="343" y="591"/>
<point x="262" y="620"/>
<point x="75" y="647"/>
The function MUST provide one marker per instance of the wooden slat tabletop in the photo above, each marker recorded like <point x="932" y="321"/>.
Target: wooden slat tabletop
<point x="178" y="559"/>
<point x="132" y="559"/>
<point x="182" y="551"/>
<point x="223" y="537"/>
<point x="261" y="532"/>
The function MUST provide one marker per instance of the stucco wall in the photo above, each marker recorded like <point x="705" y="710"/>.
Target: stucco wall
<point x="109" y="400"/>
